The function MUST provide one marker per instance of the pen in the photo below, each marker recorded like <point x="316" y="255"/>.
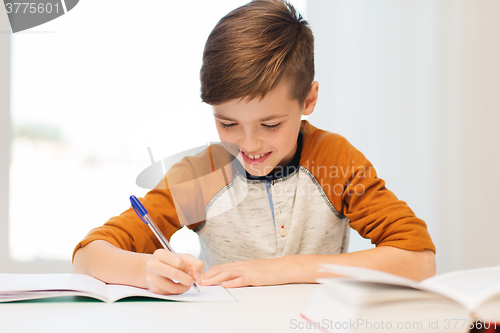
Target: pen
<point x="144" y="216"/>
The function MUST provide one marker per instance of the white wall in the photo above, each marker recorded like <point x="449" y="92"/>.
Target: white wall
<point x="414" y="85"/>
<point x="479" y="181"/>
<point x="4" y="131"/>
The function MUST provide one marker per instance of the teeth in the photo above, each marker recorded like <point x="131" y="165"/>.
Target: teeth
<point x="254" y="157"/>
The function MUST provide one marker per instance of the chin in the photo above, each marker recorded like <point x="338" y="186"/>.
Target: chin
<point x="259" y="172"/>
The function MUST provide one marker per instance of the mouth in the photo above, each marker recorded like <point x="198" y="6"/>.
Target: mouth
<point x="255" y="158"/>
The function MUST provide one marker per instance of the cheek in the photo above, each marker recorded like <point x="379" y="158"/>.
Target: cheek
<point x="285" y="139"/>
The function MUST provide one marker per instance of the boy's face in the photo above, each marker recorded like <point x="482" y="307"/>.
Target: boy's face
<point x="265" y="130"/>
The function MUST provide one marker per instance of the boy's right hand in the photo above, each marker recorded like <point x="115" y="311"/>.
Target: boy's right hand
<point x="164" y="266"/>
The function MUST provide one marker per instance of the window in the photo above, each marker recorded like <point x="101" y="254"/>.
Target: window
<point x="89" y="93"/>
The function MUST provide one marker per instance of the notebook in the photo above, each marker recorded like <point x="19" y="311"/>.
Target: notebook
<point x="18" y="287"/>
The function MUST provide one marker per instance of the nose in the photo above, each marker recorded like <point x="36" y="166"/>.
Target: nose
<point x="251" y="141"/>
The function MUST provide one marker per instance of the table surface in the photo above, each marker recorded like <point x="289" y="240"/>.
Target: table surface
<point x="259" y="309"/>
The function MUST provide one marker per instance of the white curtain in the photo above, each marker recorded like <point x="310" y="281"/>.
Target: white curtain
<point x="414" y="85"/>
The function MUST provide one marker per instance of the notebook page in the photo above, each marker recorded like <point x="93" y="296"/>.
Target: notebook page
<point x="207" y="294"/>
<point x="33" y="295"/>
<point x="369" y="275"/>
<point x="469" y="287"/>
<point x="361" y="292"/>
<point x="22" y="283"/>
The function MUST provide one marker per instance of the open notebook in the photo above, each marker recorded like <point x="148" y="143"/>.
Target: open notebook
<point x="18" y="287"/>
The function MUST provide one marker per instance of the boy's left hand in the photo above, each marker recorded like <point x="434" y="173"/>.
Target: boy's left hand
<point x="263" y="272"/>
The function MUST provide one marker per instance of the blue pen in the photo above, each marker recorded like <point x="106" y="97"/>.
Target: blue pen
<point x="144" y="216"/>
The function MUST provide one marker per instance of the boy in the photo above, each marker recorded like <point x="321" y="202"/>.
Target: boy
<point x="289" y="210"/>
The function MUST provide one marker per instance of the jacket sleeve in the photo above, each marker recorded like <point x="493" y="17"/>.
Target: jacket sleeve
<point x="353" y="188"/>
<point x="178" y="199"/>
<point x="374" y="211"/>
<point x="170" y="212"/>
<point x="128" y="232"/>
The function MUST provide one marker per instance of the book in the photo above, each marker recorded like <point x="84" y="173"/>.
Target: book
<point x="366" y="300"/>
<point x="18" y="287"/>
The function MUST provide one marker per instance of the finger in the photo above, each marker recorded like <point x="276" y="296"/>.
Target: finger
<point x="161" y="285"/>
<point x="213" y="271"/>
<point x="214" y="280"/>
<point x="217" y="269"/>
<point x="236" y="283"/>
<point x="196" y="266"/>
<point x="156" y="267"/>
<point x="171" y="259"/>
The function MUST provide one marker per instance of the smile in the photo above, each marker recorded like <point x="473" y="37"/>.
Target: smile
<point x="255" y="157"/>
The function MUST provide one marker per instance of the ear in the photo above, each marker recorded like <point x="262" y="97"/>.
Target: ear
<point x="311" y="99"/>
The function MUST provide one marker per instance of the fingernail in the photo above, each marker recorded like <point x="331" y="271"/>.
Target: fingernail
<point x="223" y="284"/>
<point x="197" y="276"/>
<point x="204" y="281"/>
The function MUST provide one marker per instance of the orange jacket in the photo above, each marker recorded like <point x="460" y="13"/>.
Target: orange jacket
<point x="344" y="179"/>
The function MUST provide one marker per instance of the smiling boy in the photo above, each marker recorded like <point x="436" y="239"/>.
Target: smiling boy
<point x="266" y="128"/>
<point x="299" y="190"/>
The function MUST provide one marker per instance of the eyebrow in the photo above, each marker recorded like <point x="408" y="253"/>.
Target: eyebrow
<point x="218" y="116"/>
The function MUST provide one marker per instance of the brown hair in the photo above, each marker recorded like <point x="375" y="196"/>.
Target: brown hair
<point x="252" y="48"/>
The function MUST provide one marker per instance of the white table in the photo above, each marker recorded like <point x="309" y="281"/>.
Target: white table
<point x="258" y="310"/>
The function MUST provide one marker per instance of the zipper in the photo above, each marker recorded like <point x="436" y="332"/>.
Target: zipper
<point x="270" y="198"/>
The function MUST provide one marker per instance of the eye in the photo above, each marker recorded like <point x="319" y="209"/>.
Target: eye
<point x="272" y="127"/>
<point x="227" y="125"/>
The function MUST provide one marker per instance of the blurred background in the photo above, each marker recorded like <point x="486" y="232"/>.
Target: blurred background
<point x="414" y="85"/>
